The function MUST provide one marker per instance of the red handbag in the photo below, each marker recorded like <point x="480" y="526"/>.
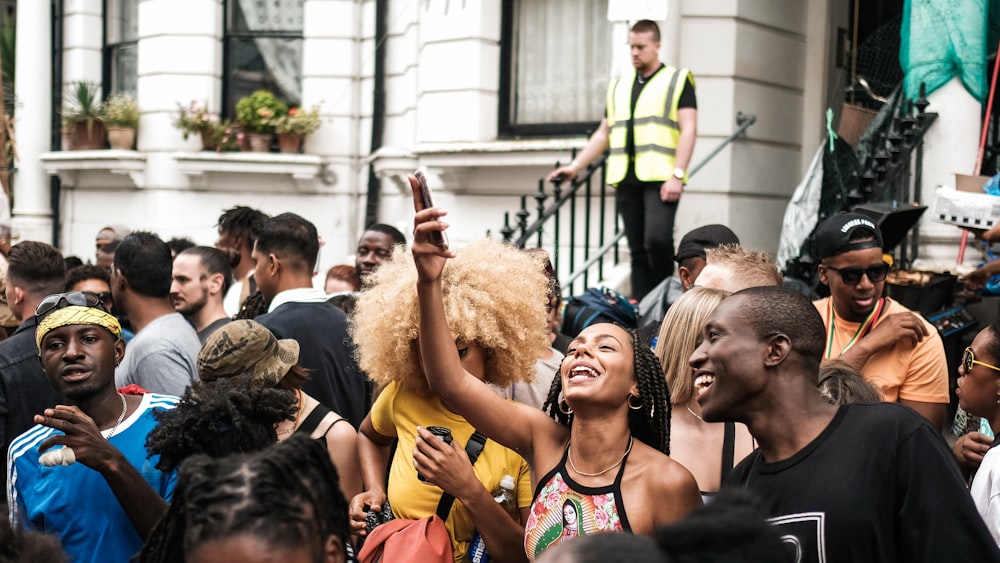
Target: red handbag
<point x="417" y="541"/>
<point x="402" y="541"/>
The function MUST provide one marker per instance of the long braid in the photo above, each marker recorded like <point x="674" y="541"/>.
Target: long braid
<point x="551" y="404"/>
<point x="165" y="543"/>
<point x="651" y="423"/>
<point x="253" y="307"/>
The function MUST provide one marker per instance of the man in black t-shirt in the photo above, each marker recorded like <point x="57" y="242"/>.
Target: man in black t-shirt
<point x="852" y="483"/>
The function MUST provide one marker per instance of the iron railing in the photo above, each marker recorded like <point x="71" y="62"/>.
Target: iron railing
<point x="569" y="212"/>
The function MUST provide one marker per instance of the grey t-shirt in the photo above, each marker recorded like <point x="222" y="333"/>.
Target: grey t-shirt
<point x="204" y="333"/>
<point x="162" y="357"/>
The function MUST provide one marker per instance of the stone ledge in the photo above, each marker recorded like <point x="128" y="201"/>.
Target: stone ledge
<point x="98" y="168"/>
<point x="235" y="168"/>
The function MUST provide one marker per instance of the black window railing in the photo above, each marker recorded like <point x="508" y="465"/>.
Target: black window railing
<point x="570" y="212"/>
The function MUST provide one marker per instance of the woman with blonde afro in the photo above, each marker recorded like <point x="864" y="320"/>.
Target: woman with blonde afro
<point x="495" y="301"/>
<point x="605" y="441"/>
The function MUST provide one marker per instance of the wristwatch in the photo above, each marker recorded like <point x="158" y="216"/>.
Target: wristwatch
<point x="679" y="174"/>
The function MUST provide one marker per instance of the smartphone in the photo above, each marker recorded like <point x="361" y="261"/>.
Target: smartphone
<point x="437" y="237"/>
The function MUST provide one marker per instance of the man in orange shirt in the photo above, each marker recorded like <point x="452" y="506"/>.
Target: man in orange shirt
<point x="893" y="348"/>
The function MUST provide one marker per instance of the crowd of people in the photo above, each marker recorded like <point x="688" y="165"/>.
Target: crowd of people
<point x="175" y="402"/>
<point x="737" y="423"/>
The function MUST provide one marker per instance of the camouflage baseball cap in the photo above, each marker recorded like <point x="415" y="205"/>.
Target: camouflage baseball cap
<point x="247" y="348"/>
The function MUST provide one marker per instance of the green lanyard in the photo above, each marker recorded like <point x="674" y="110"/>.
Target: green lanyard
<point x="858" y="334"/>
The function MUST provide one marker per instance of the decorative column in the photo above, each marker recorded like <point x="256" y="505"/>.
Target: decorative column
<point x="453" y="36"/>
<point x="32" y="214"/>
<point x="180" y="60"/>
<point x="334" y="83"/>
<point x="83" y="43"/>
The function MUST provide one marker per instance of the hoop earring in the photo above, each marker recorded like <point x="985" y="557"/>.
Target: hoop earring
<point x="632" y="406"/>
<point x="567" y="410"/>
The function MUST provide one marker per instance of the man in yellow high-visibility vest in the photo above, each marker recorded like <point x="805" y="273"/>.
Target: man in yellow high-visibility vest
<point x="650" y="125"/>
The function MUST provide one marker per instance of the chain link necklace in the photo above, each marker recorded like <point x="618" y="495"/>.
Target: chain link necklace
<point x="121" y="417"/>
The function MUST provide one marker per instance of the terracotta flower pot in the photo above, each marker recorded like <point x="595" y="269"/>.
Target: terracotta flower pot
<point x="121" y="138"/>
<point x="88" y="136"/>
<point x="259" y="142"/>
<point x="207" y="140"/>
<point x="290" y="142"/>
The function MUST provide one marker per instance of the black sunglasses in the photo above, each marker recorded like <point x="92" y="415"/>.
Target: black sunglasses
<point x="60" y="300"/>
<point x="852" y="276"/>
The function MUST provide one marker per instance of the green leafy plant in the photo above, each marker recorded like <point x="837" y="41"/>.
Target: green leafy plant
<point x="256" y="111"/>
<point x="120" y="110"/>
<point x="195" y="118"/>
<point x="82" y="105"/>
<point x="298" y="121"/>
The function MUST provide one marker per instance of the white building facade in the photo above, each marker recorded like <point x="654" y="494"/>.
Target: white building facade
<point x="485" y="95"/>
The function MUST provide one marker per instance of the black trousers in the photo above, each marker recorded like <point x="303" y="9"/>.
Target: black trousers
<point x="649" y="228"/>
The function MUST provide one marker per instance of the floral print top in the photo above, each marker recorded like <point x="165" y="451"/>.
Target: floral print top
<point x="563" y="509"/>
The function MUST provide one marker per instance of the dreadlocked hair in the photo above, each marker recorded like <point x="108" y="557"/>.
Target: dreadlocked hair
<point x="241" y="221"/>
<point x="218" y="419"/>
<point x="254" y="306"/>
<point x="651" y="422"/>
<point x="287" y="496"/>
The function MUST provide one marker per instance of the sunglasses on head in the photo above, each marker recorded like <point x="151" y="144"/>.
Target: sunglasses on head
<point x="60" y="300"/>
<point x="969" y="360"/>
<point x="852" y="276"/>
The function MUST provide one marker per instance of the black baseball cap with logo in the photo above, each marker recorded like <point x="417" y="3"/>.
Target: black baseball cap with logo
<point x="845" y="232"/>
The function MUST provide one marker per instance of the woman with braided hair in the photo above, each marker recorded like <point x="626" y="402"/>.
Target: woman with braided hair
<point x="608" y="443"/>
<point x="280" y="504"/>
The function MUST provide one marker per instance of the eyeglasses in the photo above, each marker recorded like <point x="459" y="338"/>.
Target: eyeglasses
<point x="969" y="360"/>
<point x="60" y="300"/>
<point x="852" y="276"/>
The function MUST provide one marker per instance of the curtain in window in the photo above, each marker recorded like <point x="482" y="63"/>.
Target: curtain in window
<point x="282" y="57"/>
<point x="122" y="35"/>
<point x="561" y="61"/>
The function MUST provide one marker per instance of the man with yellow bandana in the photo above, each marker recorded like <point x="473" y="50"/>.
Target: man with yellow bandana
<point x="650" y="126"/>
<point x="83" y="472"/>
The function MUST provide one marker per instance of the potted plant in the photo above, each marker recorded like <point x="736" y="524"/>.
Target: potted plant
<point x="83" y="113"/>
<point x="120" y="115"/>
<point x="294" y="126"/>
<point x="225" y="136"/>
<point x="255" y="114"/>
<point x="196" y="119"/>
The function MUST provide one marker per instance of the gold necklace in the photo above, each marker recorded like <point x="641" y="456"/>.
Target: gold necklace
<point x="698" y="416"/>
<point x="599" y="473"/>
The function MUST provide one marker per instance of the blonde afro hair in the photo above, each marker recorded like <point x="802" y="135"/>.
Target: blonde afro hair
<point x="494" y="295"/>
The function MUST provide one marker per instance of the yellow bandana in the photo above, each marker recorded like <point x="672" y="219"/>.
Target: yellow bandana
<point x="77" y="315"/>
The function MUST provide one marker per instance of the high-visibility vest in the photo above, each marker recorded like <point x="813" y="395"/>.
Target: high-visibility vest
<point x="654" y="125"/>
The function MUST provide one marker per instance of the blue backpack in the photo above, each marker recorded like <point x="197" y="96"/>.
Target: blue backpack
<point x="597" y="305"/>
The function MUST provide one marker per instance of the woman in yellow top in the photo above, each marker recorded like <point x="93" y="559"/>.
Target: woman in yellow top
<point x="498" y="329"/>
